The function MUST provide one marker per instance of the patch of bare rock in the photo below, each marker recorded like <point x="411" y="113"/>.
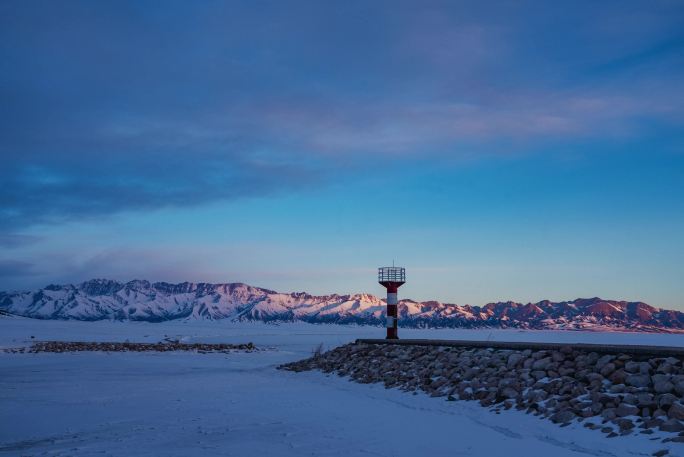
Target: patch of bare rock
<point x="618" y="394"/>
<point x="166" y="346"/>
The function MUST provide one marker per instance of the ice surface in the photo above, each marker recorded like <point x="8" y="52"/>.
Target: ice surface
<point x="184" y="404"/>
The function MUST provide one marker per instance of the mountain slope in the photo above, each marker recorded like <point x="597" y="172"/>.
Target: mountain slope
<point x="137" y="300"/>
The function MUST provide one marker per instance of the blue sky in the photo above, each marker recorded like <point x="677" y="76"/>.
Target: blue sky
<point x="498" y="150"/>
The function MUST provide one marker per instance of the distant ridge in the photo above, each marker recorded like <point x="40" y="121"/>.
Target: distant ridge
<point x="139" y="300"/>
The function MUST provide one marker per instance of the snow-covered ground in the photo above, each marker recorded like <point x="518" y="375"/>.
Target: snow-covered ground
<point x="184" y="404"/>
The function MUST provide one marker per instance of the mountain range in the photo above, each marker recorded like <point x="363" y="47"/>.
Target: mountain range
<point x="103" y="299"/>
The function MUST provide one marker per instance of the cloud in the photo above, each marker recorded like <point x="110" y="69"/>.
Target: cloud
<point x="11" y="269"/>
<point x="103" y="186"/>
<point x="392" y="127"/>
<point x="114" y="107"/>
<point x="15" y="240"/>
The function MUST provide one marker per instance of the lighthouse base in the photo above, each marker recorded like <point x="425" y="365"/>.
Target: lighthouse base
<point x="392" y="319"/>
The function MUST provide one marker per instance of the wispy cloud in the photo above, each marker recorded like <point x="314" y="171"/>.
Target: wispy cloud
<point x="14" y="269"/>
<point x="15" y="240"/>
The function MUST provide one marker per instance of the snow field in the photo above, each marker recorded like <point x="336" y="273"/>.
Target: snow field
<point x="180" y="404"/>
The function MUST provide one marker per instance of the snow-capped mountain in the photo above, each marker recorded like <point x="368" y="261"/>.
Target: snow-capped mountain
<point x="100" y="299"/>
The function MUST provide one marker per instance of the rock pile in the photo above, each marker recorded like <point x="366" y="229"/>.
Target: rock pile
<point x="622" y="393"/>
<point x="78" y="346"/>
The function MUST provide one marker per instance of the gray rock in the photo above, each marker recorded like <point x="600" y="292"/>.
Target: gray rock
<point x="638" y="380"/>
<point x="624" y="424"/>
<point x="602" y="361"/>
<point x="625" y="409"/>
<point x="569" y="371"/>
<point x="655" y="422"/>
<point x="663" y="387"/>
<point x="672" y="425"/>
<point x="539" y="354"/>
<point x="662" y="384"/>
<point x="539" y="374"/>
<point x="679" y="388"/>
<point x="676" y="411"/>
<point x="509" y="392"/>
<point x="592" y="377"/>
<point x="563" y="416"/>
<point x="608" y="414"/>
<point x="665" y="368"/>
<point x="632" y="367"/>
<point x="645" y="400"/>
<point x="660" y="377"/>
<point x="645" y="368"/>
<point x="542" y="364"/>
<point x="617" y="388"/>
<point x="665" y="400"/>
<point x="618" y="376"/>
<point x="607" y="369"/>
<point x="557" y="356"/>
<point x="513" y="360"/>
<point x="672" y="361"/>
<point x="630" y="398"/>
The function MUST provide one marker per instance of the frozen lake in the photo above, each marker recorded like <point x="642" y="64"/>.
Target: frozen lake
<point x="181" y="404"/>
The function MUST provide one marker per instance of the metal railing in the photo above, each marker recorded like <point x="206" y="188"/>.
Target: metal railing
<point x="391" y="274"/>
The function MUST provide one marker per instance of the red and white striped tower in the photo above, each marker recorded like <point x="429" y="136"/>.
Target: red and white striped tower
<point x="392" y="278"/>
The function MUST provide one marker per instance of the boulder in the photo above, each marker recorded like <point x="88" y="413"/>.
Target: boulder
<point x="632" y="367"/>
<point x="513" y="360"/>
<point x="624" y="424"/>
<point x="638" y="380"/>
<point x="539" y="374"/>
<point x="645" y="400"/>
<point x="630" y="398"/>
<point x="617" y="388"/>
<point x="608" y="414"/>
<point x="607" y="369"/>
<point x="672" y="425"/>
<point x="645" y="368"/>
<point x="625" y="409"/>
<point x="665" y="400"/>
<point x="663" y="387"/>
<point x="618" y="376"/>
<point x="604" y="360"/>
<point x="563" y="416"/>
<point x="679" y="388"/>
<point x="558" y="356"/>
<point x="509" y="392"/>
<point x="676" y="411"/>
<point x="542" y="364"/>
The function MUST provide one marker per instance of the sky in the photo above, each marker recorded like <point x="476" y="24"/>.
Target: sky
<point x="499" y="150"/>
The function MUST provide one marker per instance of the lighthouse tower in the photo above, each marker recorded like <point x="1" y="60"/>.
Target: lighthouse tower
<point x="392" y="278"/>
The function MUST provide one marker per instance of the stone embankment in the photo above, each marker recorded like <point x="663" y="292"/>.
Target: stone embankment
<point x="166" y="346"/>
<point x="618" y="394"/>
